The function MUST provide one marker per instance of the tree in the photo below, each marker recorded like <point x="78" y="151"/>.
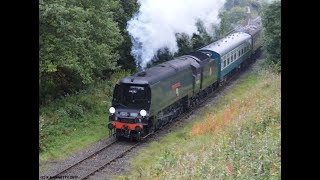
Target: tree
<point x="185" y="44"/>
<point x="253" y="4"/>
<point x="231" y="18"/>
<point x="203" y="38"/>
<point x="235" y="13"/>
<point x="77" y="44"/>
<point x="124" y="13"/>
<point x="271" y="21"/>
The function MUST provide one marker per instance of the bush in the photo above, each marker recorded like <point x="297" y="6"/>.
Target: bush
<point x="273" y="65"/>
<point x="271" y="20"/>
<point x="63" y="118"/>
<point x="78" y="42"/>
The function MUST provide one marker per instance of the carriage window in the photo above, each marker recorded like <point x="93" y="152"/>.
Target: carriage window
<point x="224" y="63"/>
<point x="234" y="56"/>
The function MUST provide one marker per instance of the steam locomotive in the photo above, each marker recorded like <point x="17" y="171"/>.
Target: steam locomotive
<point x="147" y="100"/>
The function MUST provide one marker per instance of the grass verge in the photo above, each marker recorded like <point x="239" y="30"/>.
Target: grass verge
<point x="239" y="137"/>
<point x="72" y="123"/>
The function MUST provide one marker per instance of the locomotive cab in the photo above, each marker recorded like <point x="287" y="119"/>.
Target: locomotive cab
<point x="129" y="112"/>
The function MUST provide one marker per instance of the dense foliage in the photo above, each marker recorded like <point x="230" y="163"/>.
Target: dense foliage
<point x="77" y="44"/>
<point x="186" y="44"/>
<point x="235" y="12"/>
<point x="123" y="15"/>
<point x="231" y="18"/>
<point x="271" y="21"/>
<point x="73" y="122"/>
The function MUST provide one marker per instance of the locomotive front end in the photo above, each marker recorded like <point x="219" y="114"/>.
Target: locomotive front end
<point x="128" y="115"/>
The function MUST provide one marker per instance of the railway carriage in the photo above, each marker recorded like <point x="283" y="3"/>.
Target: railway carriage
<point x="231" y="51"/>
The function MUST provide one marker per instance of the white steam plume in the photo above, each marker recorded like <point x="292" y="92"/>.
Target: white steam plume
<point x="155" y="25"/>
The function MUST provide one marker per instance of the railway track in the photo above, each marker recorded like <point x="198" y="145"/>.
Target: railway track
<point x="96" y="161"/>
<point x="100" y="159"/>
<point x="117" y="157"/>
<point x="65" y="170"/>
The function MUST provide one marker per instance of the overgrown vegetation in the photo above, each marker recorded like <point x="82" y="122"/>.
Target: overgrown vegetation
<point x="76" y="121"/>
<point x="123" y="15"/>
<point x="239" y="137"/>
<point x="186" y="44"/>
<point x="271" y="20"/>
<point x="80" y="43"/>
<point x="235" y="12"/>
<point x="82" y="46"/>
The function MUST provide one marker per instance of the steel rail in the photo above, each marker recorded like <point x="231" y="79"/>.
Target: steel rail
<point x="77" y="163"/>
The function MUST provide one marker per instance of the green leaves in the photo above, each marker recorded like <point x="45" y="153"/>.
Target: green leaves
<point x="271" y="21"/>
<point x="77" y="37"/>
<point x="232" y="17"/>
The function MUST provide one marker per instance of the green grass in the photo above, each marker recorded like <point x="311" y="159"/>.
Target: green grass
<point x="74" y="122"/>
<point x="237" y="138"/>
